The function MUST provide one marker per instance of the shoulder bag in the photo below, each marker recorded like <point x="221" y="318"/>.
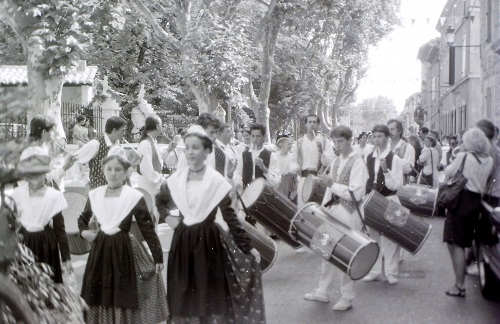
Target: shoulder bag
<point x="449" y="194"/>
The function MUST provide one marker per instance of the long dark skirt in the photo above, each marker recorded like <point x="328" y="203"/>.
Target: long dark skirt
<point x="196" y="280"/>
<point x="45" y="248"/>
<point x="461" y="221"/>
<point x="225" y="284"/>
<point x="150" y="289"/>
<point x="110" y="277"/>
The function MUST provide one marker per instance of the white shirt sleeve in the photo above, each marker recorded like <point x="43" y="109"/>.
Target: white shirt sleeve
<point x="357" y="182"/>
<point x="328" y="155"/>
<point x="394" y="178"/>
<point x="146" y="165"/>
<point x="88" y="151"/>
<point x="409" y="159"/>
<point x="273" y="175"/>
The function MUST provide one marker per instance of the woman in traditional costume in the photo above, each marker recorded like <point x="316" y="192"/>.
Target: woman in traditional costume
<point x="40" y="214"/>
<point x="40" y="137"/>
<point x="120" y="283"/>
<point x="213" y="276"/>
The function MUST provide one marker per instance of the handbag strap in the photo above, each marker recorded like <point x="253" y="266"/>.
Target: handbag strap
<point x="461" y="168"/>
<point x="363" y="226"/>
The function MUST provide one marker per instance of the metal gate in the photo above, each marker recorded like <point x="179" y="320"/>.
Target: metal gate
<point x="69" y="112"/>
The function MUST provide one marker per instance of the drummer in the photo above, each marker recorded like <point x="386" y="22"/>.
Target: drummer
<point x="347" y="174"/>
<point x="385" y="170"/>
<point x="313" y="151"/>
<point x="258" y="162"/>
<point x="402" y="149"/>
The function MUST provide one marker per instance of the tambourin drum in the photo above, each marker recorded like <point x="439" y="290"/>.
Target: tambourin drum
<point x="314" y="189"/>
<point x="134" y="228"/>
<point x="76" y="197"/>
<point x="346" y="248"/>
<point x="419" y="199"/>
<point x="264" y="244"/>
<point x="395" y="222"/>
<point x="271" y="209"/>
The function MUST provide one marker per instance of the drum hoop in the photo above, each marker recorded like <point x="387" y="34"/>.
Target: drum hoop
<point x="304" y="186"/>
<point x="292" y="220"/>
<point x="361" y="246"/>
<point x="258" y="180"/>
<point x="367" y="199"/>
<point x="274" y="258"/>
<point x="424" y="240"/>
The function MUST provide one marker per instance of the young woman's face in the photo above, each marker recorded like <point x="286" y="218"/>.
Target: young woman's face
<point x="427" y="142"/>
<point x="115" y="173"/>
<point x="36" y="181"/>
<point x="196" y="154"/>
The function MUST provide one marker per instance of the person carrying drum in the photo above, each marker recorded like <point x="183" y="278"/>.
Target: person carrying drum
<point x="313" y="151"/>
<point x="348" y="174"/>
<point x="385" y="170"/>
<point x="403" y="150"/>
<point x="258" y="162"/>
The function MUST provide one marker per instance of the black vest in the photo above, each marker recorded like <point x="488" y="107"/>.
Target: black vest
<point x="265" y="155"/>
<point x="380" y="186"/>
<point x="97" y="177"/>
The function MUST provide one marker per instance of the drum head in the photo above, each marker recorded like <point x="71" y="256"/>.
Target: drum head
<point x="364" y="260"/>
<point x="253" y="192"/>
<point x="76" y="201"/>
<point x="307" y="188"/>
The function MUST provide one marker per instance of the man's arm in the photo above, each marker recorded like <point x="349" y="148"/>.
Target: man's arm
<point x="273" y="175"/>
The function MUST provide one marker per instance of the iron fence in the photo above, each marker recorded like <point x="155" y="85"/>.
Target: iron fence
<point x="69" y="112"/>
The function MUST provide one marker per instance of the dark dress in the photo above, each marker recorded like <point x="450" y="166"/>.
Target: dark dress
<point x="461" y="221"/>
<point x="110" y="278"/>
<point x="197" y="277"/>
<point x="47" y="244"/>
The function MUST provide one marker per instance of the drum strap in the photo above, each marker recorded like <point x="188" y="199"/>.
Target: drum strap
<point x="363" y="226"/>
<point x="248" y="216"/>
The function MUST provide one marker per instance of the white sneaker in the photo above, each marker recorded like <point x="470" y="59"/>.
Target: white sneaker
<point x="301" y="250"/>
<point x="314" y="296"/>
<point x="372" y="277"/>
<point x="342" y="305"/>
<point x="392" y="280"/>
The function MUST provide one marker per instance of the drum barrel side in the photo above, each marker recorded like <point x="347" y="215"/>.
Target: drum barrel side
<point x="429" y="228"/>
<point x="265" y="245"/>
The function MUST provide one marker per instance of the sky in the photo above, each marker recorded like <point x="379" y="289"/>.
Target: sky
<point x="394" y="69"/>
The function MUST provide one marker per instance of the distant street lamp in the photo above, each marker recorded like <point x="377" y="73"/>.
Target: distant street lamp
<point x="450" y="38"/>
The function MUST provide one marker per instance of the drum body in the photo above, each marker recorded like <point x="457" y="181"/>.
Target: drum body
<point x="76" y="198"/>
<point x="264" y="244"/>
<point x="395" y="222"/>
<point x="271" y="209"/>
<point x="348" y="249"/>
<point x="419" y="199"/>
<point x="314" y="189"/>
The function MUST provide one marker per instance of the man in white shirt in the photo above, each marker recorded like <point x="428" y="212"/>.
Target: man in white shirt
<point x="97" y="149"/>
<point x="347" y="173"/>
<point x="225" y="156"/>
<point x="403" y="150"/>
<point x="313" y="151"/>
<point x="258" y="162"/>
<point x="385" y="175"/>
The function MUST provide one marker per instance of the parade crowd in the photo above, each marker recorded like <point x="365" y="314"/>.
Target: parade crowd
<point x="213" y="267"/>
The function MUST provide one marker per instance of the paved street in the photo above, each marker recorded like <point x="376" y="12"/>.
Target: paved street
<point x="417" y="298"/>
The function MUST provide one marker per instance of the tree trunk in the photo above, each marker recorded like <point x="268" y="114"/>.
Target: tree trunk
<point x="47" y="89"/>
<point x="273" y="26"/>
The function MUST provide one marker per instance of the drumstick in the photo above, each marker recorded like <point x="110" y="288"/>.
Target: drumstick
<point x="243" y="205"/>
<point x="130" y="145"/>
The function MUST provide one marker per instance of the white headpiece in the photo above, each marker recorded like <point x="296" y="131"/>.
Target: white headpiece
<point x="198" y="130"/>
